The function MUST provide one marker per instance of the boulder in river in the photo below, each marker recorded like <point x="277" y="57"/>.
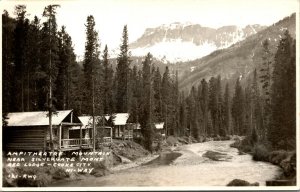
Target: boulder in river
<point x="240" y="182"/>
<point x="216" y="156"/>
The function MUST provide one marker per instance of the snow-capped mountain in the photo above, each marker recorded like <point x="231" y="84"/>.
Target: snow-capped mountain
<point x="238" y="60"/>
<point x="182" y="42"/>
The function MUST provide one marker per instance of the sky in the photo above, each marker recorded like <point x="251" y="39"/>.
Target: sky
<point x="111" y="15"/>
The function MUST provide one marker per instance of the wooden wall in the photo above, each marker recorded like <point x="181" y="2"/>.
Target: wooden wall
<point x="23" y="138"/>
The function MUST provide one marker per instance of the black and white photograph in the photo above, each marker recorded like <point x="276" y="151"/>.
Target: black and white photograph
<point x="150" y="95"/>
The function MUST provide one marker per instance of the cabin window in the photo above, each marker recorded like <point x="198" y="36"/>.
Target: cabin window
<point x="74" y="133"/>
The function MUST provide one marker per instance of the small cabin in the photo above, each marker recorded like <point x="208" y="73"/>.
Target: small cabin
<point x="121" y="130"/>
<point x="103" y="131"/>
<point x="29" y="131"/>
<point x="159" y="128"/>
<point x="137" y="132"/>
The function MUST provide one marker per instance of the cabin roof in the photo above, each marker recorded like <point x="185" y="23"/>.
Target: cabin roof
<point x="120" y="118"/>
<point x="36" y="118"/>
<point x="159" y="125"/>
<point x="107" y="117"/>
<point x="88" y="120"/>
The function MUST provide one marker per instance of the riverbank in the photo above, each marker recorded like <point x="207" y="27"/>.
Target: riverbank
<point x="212" y="163"/>
<point x="185" y="154"/>
<point x="286" y="160"/>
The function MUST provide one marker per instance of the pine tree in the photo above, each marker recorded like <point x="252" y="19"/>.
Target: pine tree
<point x="226" y="105"/>
<point x="182" y="116"/>
<point x="7" y="60"/>
<point x="257" y="128"/>
<point x="136" y="95"/>
<point x="157" y="96"/>
<point x="220" y="108"/>
<point x="283" y="125"/>
<point x="122" y="74"/>
<point x="146" y="113"/>
<point x="51" y="68"/>
<point x="204" y="105"/>
<point x="194" y="113"/>
<point x="107" y="83"/>
<point x="166" y="91"/>
<point x="213" y="104"/>
<point x="248" y="114"/>
<point x="265" y="79"/>
<point x="91" y="103"/>
<point x="76" y="88"/>
<point x="238" y="112"/>
<point x="176" y="105"/>
<point x="91" y="67"/>
<point x="209" y="124"/>
<point x="34" y="67"/>
<point x="66" y="59"/>
<point x="20" y="47"/>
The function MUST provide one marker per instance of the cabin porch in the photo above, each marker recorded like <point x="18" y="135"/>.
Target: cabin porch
<point x="123" y="132"/>
<point x="70" y="137"/>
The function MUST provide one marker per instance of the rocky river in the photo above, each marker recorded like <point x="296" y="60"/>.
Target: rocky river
<point x="212" y="163"/>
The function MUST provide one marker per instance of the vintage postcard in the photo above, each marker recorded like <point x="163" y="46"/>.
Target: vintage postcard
<point x="150" y="95"/>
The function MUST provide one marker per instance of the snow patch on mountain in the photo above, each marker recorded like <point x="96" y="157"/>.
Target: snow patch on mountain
<point x="180" y="42"/>
<point x="176" y="50"/>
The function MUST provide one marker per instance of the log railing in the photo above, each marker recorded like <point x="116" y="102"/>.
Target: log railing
<point x="69" y="143"/>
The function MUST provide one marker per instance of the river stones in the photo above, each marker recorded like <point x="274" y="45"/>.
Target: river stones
<point x="240" y="182"/>
<point x="164" y="159"/>
<point x="216" y="156"/>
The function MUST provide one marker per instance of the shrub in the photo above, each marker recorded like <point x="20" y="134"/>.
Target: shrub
<point x="243" y="145"/>
<point x="217" y="138"/>
<point x="42" y="178"/>
<point x="260" y="153"/>
<point x="236" y="144"/>
<point x="225" y="138"/>
<point x="171" y="140"/>
<point x="100" y="169"/>
<point x="158" y="147"/>
<point x="8" y="182"/>
<point x="60" y="173"/>
<point x="276" y="157"/>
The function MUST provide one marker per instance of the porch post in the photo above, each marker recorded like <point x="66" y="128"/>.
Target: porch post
<point x="111" y="135"/>
<point x="45" y="139"/>
<point x="118" y="130"/>
<point x="80" y="141"/>
<point x="72" y="117"/>
<point x="59" y="136"/>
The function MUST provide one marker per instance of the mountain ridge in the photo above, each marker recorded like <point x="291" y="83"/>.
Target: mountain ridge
<point x="171" y="42"/>
<point x="240" y="59"/>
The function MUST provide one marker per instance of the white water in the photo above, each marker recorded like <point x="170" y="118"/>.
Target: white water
<point x="191" y="169"/>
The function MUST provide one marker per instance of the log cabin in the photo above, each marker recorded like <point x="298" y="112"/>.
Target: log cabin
<point x="29" y="131"/>
<point x="120" y="128"/>
<point x="103" y="131"/>
<point x="159" y="128"/>
<point x="137" y="132"/>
